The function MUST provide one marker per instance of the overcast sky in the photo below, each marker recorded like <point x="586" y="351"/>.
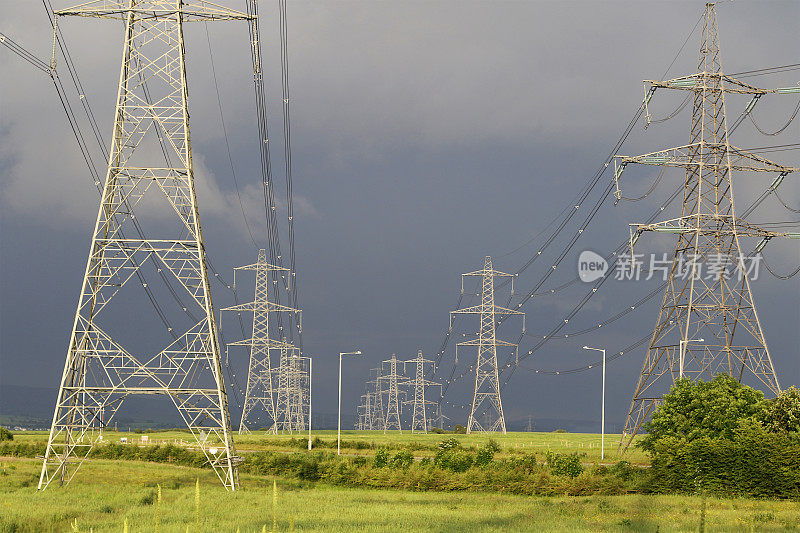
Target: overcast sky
<point x="426" y="135"/>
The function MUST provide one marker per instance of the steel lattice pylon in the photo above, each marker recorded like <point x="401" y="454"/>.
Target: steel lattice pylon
<point x="260" y="392"/>
<point x="99" y="373"/>
<point x="419" y="416"/>
<point x="377" y="417"/>
<point x="719" y="311"/>
<point x="486" y="395"/>
<point x="294" y="391"/>
<point x="392" y="419"/>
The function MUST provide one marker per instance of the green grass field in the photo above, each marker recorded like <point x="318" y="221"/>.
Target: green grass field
<point x="110" y="492"/>
<point x="513" y="442"/>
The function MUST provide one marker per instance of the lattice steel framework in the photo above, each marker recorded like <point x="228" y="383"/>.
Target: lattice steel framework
<point x="99" y="373"/>
<point x="293" y="390"/>
<point x="419" y="415"/>
<point x="486" y="395"/>
<point x="377" y="416"/>
<point x="392" y="420"/>
<point x="719" y="309"/>
<point x="260" y="392"/>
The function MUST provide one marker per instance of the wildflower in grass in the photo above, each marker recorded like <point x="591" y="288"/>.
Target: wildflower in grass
<point x="158" y="507"/>
<point x="274" y="505"/>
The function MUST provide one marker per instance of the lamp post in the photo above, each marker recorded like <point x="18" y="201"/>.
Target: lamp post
<point x="309" y="403"/>
<point x="682" y="353"/>
<point x="603" y="405"/>
<point x="339" y="425"/>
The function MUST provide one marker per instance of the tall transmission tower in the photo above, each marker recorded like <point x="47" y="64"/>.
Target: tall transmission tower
<point x="419" y="417"/>
<point x="486" y="395"/>
<point x="529" y="427"/>
<point x="298" y="389"/>
<point x="260" y="393"/>
<point x="99" y="373"/>
<point x="377" y="413"/>
<point x="707" y="324"/>
<point x="392" y="420"/>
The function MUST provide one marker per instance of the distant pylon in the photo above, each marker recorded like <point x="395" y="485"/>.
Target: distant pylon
<point x="151" y="117"/>
<point x="707" y="324"/>
<point x="298" y="391"/>
<point x="260" y="392"/>
<point x="393" y="392"/>
<point x="486" y="395"/>
<point x="377" y="415"/>
<point x="419" y="417"/>
<point x="529" y="427"/>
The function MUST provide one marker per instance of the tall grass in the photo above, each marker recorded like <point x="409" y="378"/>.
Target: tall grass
<point x="119" y="487"/>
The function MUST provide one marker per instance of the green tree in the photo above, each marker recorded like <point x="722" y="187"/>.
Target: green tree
<point x="782" y="415"/>
<point x="703" y="409"/>
<point x="5" y="434"/>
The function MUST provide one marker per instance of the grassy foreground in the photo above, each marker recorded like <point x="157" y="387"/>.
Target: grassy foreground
<point x="118" y="491"/>
<point x="423" y="445"/>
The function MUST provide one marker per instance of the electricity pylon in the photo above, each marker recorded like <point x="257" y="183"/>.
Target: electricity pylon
<point x="99" y="373"/>
<point x="296" y="370"/>
<point x="486" y="395"/>
<point x="707" y="324"/>
<point x="419" y="416"/>
<point x="377" y="416"/>
<point x="529" y="427"/>
<point x="260" y="393"/>
<point x="393" y="392"/>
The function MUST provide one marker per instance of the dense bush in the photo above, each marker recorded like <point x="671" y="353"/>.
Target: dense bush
<point x="754" y="462"/>
<point x="461" y="430"/>
<point x="381" y="458"/>
<point x="703" y="409"/>
<point x="782" y="415"/>
<point x="564" y="464"/>
<point x="401" y="460"/>
<point x="485" y="454"/>
<point x="5" y="434"/>
<point x="722" y="437"/>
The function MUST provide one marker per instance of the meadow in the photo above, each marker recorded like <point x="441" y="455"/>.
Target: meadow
<point x="422" y="445"/>
<point x="110" y="494"/>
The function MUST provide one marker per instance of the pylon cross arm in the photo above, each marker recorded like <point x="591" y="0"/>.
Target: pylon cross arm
<point x="699" y="81"/>
<point x="695" y="223"/>
<point x="691" y="155"/>
<point x="258" y="306"/>
<point x="197" y="10"/>
<point x="263" y="266"/>
<point x="478" y="309"/>
<point x="479" y="342"/>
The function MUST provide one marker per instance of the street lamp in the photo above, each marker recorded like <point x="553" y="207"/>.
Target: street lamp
<point x="339" y="425"/>
<point x="603" y="403"/>
<point x="309" y="403"/>
<point x="682" y="349"/>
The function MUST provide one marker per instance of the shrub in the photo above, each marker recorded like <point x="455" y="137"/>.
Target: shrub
<point x="437" y="431"/>
<point x="623" y="470"/>
<point x="703" y="409"/>
<point x="449" y="444"/>
<point x="5" y="434"/>
<point x="309" y="468"/>
<point x="401" y="460"/>
<point x="454" y="459"/>
<point x="564" y="464"/>
<point x="486" y="453"/>
<point x="381" y="458"/>
<point x="782" y="415"/>
<point x="559" y="431"/>
<point x="753" y="463"/>
<point x="459" y="429"/>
